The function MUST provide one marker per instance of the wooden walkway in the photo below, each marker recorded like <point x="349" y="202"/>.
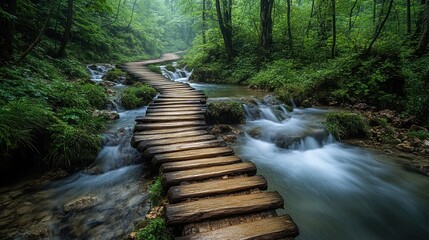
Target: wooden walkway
<point x="212" y="193"/>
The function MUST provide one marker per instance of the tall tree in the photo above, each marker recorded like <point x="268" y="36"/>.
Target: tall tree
<point x="351" y="15"/>
<point x="409" y="17"/>
<point x="289" y="28"/>
<point x="7" y="20"/>
<point x="424" y="39"/>
<point x="266" y="22"/>
<point x="67" y="29"/>
<point x="224" y="16"/>
<point x="132" y="14"/>
<point x="379" y="29"/>
<point x="334" y="28"/>
<point x="204" y="24"/>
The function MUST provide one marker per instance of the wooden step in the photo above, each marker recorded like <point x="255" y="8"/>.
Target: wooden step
<point x="144" y="144"/>
<point x="203" y="189"/>
<point x="281" y="227"/>
<point x="203" y="209"/>
<point x="151" y="119"/>
<point x="169" y="130"/>
<point x="191" y="154"/>
<point x="149" y="152"/>
<point x="136" y="139"/>
<point x="198" y="163"/>
<point x="153" y="109"/>
<point x="175" y="178"/>
<point x="182" y="96"/>
<point x="164" y="126"/>
<point x="189" y="103"/>
<point x="176" y="113"/>
<point x="178" y="99"/>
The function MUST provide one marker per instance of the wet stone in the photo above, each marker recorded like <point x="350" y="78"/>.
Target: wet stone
<point x="80" y="203"/>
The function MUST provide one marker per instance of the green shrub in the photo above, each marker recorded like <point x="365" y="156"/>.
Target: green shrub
<point x="345" y="125"/>
<point x="229" y="112"/>
<point x="96" y="95"/>
<point x="156" y="191"/>
<point x="420" y="134"/>
<point x="275" y="75"/>
<point x="137" y="96"/>
<point x="113" y="74"/>
<point x="21" y="122"/>
<point x="71" y="146"/>
<point x="154" y="68"/>
<point x="155" y="229"/>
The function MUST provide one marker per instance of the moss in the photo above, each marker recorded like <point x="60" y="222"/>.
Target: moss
<point x="228" y="112"/>
<point x="154" y="229"/>
<point x="170" y="68"/>
<point x="420" y="134"/>
<point x="344" y="125"/>
<point x="156" y="191"/>
<point x="154" y="68"/>
<point x="113" y="74"/>
<point x="137" y="96"/>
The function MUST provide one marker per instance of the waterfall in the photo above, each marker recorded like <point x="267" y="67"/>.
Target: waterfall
<point x="98" y="70"/>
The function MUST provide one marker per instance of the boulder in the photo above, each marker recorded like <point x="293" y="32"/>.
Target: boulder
<point x="405" y="146"/>
<point x="80" y="203"/>
<point x="110" y="115"/>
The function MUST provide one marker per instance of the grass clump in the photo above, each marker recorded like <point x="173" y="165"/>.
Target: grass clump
<point x="113" y="74"/>
<point x="420" y="134"/>
<point x="154" y="68"/>
<point x="344" y="125"/>
<point x="137" y="96"/>
<point x="154" y="229"/>
<point x="228" y="112"/>
<point x="156" y="191"/>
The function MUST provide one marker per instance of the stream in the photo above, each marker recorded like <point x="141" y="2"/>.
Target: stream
<point x="331" y="190"/>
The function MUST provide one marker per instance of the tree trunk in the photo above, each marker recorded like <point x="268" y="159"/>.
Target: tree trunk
<point x="334" y="29"/>
<point x="132" y="14"/>
<point x="409" y="17"/>
<point x="351" y="15"/>
<point x="374" y="10"/>
<point x="266" y="21"/>
<point x="203" y="27"/>
<point x="224" y="16"/>
<point x="289" y="29"/>
<point x="419" y="22"/>
<point x="8" y="29"/>
<point x="311" y="17"/>
<point x="67" y="29"/>
<point x="39" y="36"/>
<point x="424" y="39"/>
<point x="380" y="28"/>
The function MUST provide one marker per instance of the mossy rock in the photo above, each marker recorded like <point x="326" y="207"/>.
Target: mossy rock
<point x="346" y="125"/>
<point x="154" y="229"/>
<point x="170" y="68"/>
<point x="113" y="75"/>
<point x="227" y="112"/>
<point x="137" y="95"/>
<point x="154" y="68"/>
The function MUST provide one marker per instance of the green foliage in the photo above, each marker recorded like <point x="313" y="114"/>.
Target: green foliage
<point x="229" y="112"/>
<point x="71" y="146"/>
<point x="21" y="121"/>
<point x="420" y="134"/>
<point x="137" y="96"/>
<point x="154" y="68"/>
<point x="275" y="75"/>
<point x="113" y="74"/>
<point x="345" y="125"/>
<point x="155" y="229"/>
<point x="156" y="191"/>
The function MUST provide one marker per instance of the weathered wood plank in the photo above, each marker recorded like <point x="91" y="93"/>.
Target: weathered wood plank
<point x="136" y="139"/>
<point x="167" y="125"/>
<point x="185" y="108"/>
<point x="191" y="154"/>
<point x="149" y="152"/>
<point x="182" y="102"/>
<point x="281" y="227"/>
<point x="144" y="144"/>
<point x="168" y="130"/>
<point x="203" y="189"/>
<point x="175" y="118"/>
<point x="194" y="211"/>
<point x="182" y="96"/>
<point x="179" y="99"/>
<point x="175" y="178"/>
<point x="198" y="163"/>
<point x="178" y="113"/>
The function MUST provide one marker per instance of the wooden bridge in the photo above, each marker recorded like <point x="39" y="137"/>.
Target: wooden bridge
<point x="212" y="193"/>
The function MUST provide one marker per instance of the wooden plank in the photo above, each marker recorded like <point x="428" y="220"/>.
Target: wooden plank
<point x="149" y="152"/>
<point x="154" y="126"/>
<point x="144" y="144"/>
<point x="184" y="108"/>
<point x="169" y="130"/>
<point x="136" y="139"/>
<point x="175" y="178"/>
<point x="203" y="209"/>
<point x="191" y="154"/>
<point x="203" y="189"/>
<point x="182" y="95"/>
<point x="198" y="163"/>
<point x="151" y="119"/>
<point x="178" y="113"/>
<point x="281" y="227"/>
<point x="178" y="102"/>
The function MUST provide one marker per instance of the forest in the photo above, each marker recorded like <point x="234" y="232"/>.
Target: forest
<point x="317" y="52"/>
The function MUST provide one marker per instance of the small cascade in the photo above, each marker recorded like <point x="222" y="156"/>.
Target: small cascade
<point x="179" y="75"/>
<point x="98" y="70"/>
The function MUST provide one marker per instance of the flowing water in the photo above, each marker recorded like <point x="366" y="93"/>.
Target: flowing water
<point x="332" y="190"/>
<point x="112" y="189"/>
